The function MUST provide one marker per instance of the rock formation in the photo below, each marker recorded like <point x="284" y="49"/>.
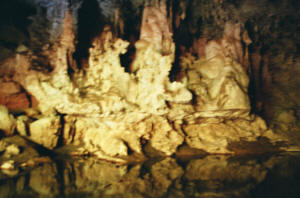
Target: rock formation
<point x="7" y="122"/>
<point x="121" y="115"/>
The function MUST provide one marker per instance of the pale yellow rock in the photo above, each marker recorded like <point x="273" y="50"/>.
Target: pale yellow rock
<point x="164" y="138"/>
<point x="218" y="79"/>
<point x="110" y="144"/>
<point x="31" y="112"/>
<point x="12" y="150"/>
<point x="208" y="137"/>
<point x="8" y="165"/>
<point x="110" y="113"/>
<point x="112" y="135"/>
<point x="219" y="83"/>
<point x="7" y="121"/>
<point x="45" y="131"/>
<point x="21" y="125"/>
<point x="154" y="90"/>
<point x="213" y="135"/>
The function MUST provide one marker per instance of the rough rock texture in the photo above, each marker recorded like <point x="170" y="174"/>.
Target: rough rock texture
<point x="7" y="122"/>
<point x="113" y="110"/>
<point x="273" y="62"/>
<point x="214" y="135"/>
<point x="14" y="97"/>
<point x="117" y="100"/>
<point x="45" y="131"/>
<point x="218" y="78"/>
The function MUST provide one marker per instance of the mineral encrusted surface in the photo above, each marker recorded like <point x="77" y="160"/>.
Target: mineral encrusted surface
<point x="116" y="114"/>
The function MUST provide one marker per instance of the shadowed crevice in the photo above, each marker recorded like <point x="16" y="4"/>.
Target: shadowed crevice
<point x="90" y="25"/>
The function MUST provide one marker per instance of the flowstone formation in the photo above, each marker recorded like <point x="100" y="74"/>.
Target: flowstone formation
<point x="120" y="116"/>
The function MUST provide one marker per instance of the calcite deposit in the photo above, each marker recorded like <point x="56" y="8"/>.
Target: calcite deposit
<point x="115" y="115"/>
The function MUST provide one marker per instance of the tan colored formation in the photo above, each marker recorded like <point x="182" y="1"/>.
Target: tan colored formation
<point x="111" y="113"/>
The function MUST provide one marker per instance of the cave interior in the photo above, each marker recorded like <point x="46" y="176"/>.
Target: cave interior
<point x="126" y="81"/>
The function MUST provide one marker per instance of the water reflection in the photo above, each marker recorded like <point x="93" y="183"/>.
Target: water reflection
<point x="210" y="176"/>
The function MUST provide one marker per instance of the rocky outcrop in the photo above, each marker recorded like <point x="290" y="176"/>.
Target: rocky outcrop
<point x="118" y="115"/>
<point x="217" y="77"/>
<point x="45" y="131"/>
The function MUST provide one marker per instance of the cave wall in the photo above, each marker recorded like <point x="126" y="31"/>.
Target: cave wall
<point x="273" y="42"/>
<point x="63" y="48"/>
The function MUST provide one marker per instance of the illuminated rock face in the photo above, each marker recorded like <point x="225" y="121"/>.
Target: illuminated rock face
<point x="217" y="78"/>
<point x="7" y="122"/>
<point x="114" y="114"/>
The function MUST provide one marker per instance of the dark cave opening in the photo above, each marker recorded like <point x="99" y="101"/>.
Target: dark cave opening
<point x="183" y="39"/>
<point x="14" y="24"/>
<point x="90" y="25"/>
<point x="15" y="14"/>
<point x="127" y="58"/>
<point x="252" y="88"/>
<point x="130" y="19"/>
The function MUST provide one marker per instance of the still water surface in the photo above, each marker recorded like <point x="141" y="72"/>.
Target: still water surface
<point x="276" y="176"/>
